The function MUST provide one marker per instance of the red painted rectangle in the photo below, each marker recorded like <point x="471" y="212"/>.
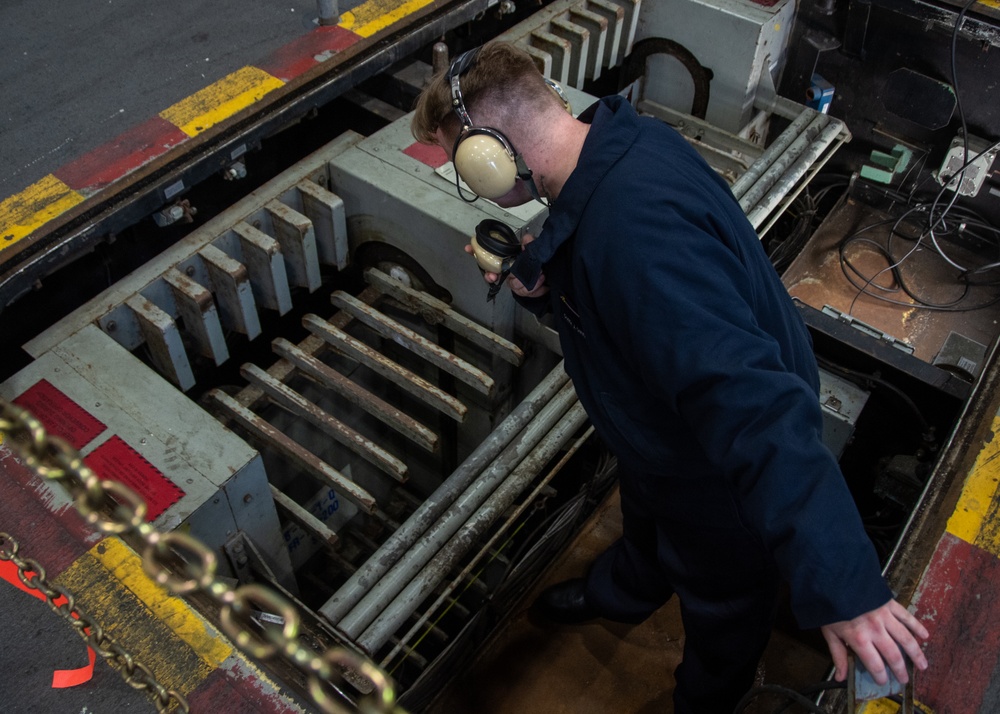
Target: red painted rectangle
<point x="54" y="535"/>
<point x="433" y="156"/>
<point x="60" y="415"/>
<point x="121" y="156"/>
<point x="304" y="53"/>
<point x="117" y="461"/>
<point x="957" y="603"/>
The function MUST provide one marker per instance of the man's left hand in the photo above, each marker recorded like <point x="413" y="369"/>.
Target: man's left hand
<point x="876" y="638"/>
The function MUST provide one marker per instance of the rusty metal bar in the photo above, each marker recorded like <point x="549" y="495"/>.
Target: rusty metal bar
<point x="443" y="497"/>
<point x="329" y="218"/>
<point x="297" y="404"/>
<point x="311" y="345"/>
<point x="328" y="377"/>
<point x="262" y="256"/>
<point x="196" y="307"/>
<point x="435" y="571"/>
<point x="397" y="374"/>
<point x="231" y="284"/>
<point x="418" y="344"/>
<point x="475" y="494"/>
<point x="310" y="523"/>
<point x="298" y="244"/>
<point x="260" y="430"/>
<point x="435" y="311"/>
<point x="161" y="334"/>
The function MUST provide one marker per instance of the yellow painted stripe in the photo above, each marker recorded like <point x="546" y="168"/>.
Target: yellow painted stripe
<point x="220" y="100"/>
<point x="373" y="16"/>
<point x="25" y="212"/>
<point x="160" y="630"/>
<point x="887" y="706"/>
<point x="123" y="562"/>
<point x="975" y="505"/>
<point x="990" y="3"/>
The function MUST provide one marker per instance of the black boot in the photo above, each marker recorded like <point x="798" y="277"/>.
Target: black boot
<point x="565" y="603"/>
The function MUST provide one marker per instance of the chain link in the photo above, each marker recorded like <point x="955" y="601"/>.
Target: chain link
<point x="183" y="565"/>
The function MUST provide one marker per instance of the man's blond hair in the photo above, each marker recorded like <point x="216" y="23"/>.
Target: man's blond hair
<point x="502" y="87"/>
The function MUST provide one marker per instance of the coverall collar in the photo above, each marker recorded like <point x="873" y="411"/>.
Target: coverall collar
<point x="614" y="128"/>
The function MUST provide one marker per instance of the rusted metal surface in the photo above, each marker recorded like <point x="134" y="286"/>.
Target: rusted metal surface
<point x="418" y="344"/>
<point x="201" y="318"/>
<point x="297" y="404"/>
<point x="929" y="519"/>
<point x="330" y="378"/>
<point x="310" y="523"/>
<point x="230" y="280"/>
<point x="816" y="278"/>
<point x="262" y="432"/>
<point x="311" y="345"/>
<point x="380" y="364"/>
<point x="297" y="237"/>
<point x="435" y="311"/>
<point x="166" y="348"/>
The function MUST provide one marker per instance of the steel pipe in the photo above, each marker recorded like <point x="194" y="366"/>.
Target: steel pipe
<point x="389" y="553"/>
<point x="787" y="181"/>
<point x="752" y="196"/>
<point x="328" y="11"/>
<point x="417" y="590"/>
<point x="416" y="557"/>
<point x="764" y="161"/>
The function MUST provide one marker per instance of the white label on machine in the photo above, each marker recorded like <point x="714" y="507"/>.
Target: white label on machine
<point x="327" y="507"/>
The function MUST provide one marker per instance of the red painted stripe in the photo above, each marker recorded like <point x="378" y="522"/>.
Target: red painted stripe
<point x="54" y="536"/>
<point x="302" y="54"/>
<point x="957" y="602"/>
<point x="237" y="690"/>
<point x="121" y="156"/>
<point x="433" y="156"/>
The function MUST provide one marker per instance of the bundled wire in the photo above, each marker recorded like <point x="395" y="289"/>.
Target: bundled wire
<point x="931" y="224"/>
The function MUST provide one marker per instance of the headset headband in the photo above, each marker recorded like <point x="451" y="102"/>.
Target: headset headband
<point x="459" y="66"/>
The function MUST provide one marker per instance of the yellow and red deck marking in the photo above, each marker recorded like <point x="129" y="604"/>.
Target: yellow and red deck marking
<point x="26" y="212"/>
<point x="957" y="598"/>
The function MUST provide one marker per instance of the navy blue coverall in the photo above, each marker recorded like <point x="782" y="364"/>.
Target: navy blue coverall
<point x="696" y="369"/>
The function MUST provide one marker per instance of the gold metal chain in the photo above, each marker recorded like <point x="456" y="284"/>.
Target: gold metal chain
<point x="182" y="565"/>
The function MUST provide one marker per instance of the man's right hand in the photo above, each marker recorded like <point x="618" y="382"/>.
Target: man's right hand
<point x="516" y="286"/>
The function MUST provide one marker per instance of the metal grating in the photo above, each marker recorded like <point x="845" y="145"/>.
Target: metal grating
<point x="575" y="40"/>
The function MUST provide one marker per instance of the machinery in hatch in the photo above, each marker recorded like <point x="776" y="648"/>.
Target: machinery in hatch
<point x="313" y="383"/>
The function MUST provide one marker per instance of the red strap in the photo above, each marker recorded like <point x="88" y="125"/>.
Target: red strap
<point x="61" y="678"/>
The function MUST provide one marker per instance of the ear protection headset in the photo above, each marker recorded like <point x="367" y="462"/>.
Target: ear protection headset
<point x="483" y="156"/>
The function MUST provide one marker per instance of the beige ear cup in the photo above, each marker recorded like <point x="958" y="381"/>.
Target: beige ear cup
<point x="488" y="261"/>
<point x="485" y="165"/>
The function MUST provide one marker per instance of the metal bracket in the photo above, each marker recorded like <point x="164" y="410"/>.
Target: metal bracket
<point x="247" y="560"/>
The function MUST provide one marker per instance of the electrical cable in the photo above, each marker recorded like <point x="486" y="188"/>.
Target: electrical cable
<point x="936" y="225"/>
